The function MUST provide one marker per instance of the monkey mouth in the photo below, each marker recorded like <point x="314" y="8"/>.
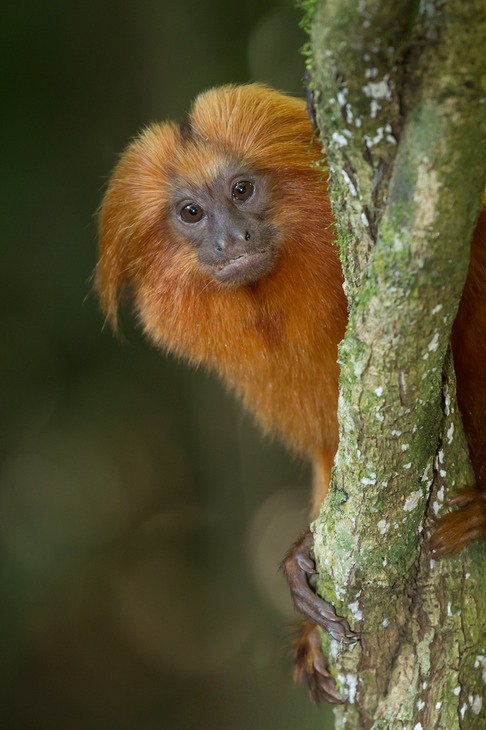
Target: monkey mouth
<point x="245" y="268"/>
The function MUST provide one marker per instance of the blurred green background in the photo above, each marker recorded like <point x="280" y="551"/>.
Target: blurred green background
<point x="142" y="515"/>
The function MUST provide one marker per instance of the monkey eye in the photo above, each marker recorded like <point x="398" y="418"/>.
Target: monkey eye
<point x="242" y="191"/>
<point x="191" y="213"/>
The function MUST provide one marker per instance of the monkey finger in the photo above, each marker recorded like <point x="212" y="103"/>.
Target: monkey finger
<point x="467" y="497"/>
<point x="298" y="565"/>
<point x="460" y="527"/>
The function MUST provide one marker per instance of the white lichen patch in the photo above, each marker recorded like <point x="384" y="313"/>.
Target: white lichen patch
<point x="412" y="500"/>
<point x="480" y="661"/>
<point x="405" y="447"/>
<point x="364" y="220"/>
<point x="339" y="139"/>
<point x="436" y="506"/>
<point x="355" y="611"/>
<point x="349" y="114"/>
<point x="437" y="309"/>
<point x="476" y="704"/>
<point x="378" y="89"/>
<point x="379" y="391"/>
<point x="381" y="133"/>
<point x="351" y="186"/>
<point x="408" y="465"/>
<point x="438" y="465"/>
<point x="340" y="591"/>
<point x="456" y="691"/>
<point x="396" y="433"/>
<point x="334" y="647"/>
<point x="385" y="623"/>
<point x="375" y="107"/>
<point x="420" y="705"/>
<point x="369" y="480"/>
<point x="418" y="726"/>
<point x="383" y="527"/>
<point x="450" y="433"/>
<point x="447" y="405"/>
<point x="352" y="685"/>
<point x="462" y="711"/>
<point x="438" y="705"/>
<point x="342" y="97"/>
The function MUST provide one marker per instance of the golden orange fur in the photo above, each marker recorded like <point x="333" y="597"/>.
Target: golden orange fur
<point x="273" y="342"/>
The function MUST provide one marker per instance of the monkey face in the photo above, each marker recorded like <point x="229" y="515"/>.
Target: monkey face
<point x="210" y="205"/>
<point x="226" y="220"/>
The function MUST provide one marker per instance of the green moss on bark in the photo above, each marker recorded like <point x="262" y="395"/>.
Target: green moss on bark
<point x="400" y="95"/>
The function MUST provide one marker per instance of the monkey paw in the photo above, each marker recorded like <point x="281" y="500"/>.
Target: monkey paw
<point x="456" y="529"/>
<point x="310" y="666"/>
<point x="300" y="570"/>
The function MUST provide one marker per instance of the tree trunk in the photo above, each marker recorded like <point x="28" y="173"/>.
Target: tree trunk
<point x="400" y="94"/>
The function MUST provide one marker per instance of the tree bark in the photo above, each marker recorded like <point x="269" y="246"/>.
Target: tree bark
<point x="400" y="95"/>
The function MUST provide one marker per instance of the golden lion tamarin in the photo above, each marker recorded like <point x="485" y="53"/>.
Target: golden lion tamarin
<point x="222" y="228"/>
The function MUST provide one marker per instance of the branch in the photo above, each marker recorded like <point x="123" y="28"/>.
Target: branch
<point x="400" y="98"/>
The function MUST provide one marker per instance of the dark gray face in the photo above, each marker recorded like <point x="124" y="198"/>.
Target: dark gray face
<point x="227" y="221"/>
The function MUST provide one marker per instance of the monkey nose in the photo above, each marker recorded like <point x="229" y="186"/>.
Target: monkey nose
<point x="222" y="243"/>
<point x="233" y="242"/>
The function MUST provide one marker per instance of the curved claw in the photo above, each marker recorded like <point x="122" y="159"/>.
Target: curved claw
<point x="299" y="565"/>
